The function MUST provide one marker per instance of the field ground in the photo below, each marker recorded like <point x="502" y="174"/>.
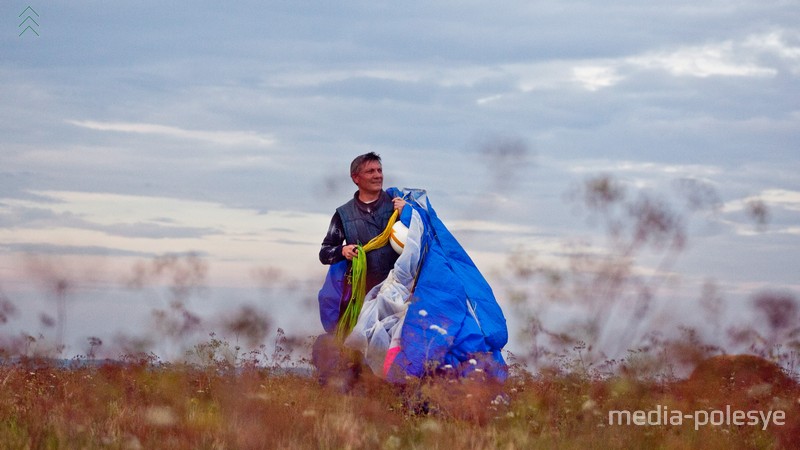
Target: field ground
<point x="142" y="405"/>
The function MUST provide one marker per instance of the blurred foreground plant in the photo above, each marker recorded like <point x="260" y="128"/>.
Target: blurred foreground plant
<point x="143" y="403"/>
<point x="607" y="306"/>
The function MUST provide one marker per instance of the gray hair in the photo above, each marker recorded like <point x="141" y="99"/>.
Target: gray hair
<point x="360" y="160"/>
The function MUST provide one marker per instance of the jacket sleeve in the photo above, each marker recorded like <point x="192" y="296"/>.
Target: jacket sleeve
<point x="331" y="251"/>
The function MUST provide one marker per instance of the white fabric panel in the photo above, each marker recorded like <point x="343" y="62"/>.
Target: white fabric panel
<point x="385" y="305"/>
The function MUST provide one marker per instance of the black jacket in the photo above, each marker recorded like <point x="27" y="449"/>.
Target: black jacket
<point x="357" y="222"/>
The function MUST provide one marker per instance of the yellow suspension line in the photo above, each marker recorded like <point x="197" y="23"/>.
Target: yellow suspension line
<point x="358" y="280"/>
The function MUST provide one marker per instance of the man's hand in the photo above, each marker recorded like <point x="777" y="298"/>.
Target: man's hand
<point x="350" y="251"/>
<point x="399" y="203"/>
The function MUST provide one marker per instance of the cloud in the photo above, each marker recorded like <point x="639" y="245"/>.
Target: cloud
<point x="742" y="57"/>
<point x="747" y="56"/>
<point x="783" y="198"/>
<point x="55" y="249"/>
<point x="226" y="129"/>
<point x="227" y="138"/>
<point x="769" y="212"/>
<point x="484" y="226"/>
<point x="155" y="225"/>
<point x="593" y="78"/>
<point x="718" y="59"/>
<point x="752" y="56"/>
<point x="644" y="169"/>
<point x="778" y="44"/>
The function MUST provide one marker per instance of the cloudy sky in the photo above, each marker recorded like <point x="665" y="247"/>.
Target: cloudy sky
<point x="130" y="130"/>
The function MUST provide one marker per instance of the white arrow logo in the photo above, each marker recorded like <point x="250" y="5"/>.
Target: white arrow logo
<point x="29" y="20"/>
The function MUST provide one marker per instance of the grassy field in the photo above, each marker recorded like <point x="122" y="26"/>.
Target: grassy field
<point x="573" y="397"/>
<point x="145" y="404"/>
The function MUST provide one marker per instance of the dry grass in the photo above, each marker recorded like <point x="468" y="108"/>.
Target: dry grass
<point x="223" y="397"/>
<point x="143" y="405"/>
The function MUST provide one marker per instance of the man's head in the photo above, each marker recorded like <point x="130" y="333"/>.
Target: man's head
<point x="367" y="172"/>
<point x="361" y="160"/>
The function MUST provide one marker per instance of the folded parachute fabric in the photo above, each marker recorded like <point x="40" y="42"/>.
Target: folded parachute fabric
<point x="435" y="311"/>
<point x="378" y="329"/>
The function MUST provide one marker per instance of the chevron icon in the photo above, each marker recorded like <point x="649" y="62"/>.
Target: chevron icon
<point x="32" y="24"/>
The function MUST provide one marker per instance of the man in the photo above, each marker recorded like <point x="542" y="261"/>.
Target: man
<point x="361" y="219"/>
<point x="355" y="223"/>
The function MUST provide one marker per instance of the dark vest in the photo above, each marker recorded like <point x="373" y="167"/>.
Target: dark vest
<point x="361" y="225"/>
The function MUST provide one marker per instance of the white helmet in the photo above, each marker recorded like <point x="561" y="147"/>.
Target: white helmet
<point x="398" y="237"/>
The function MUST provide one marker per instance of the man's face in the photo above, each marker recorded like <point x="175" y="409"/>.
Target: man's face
<point x="370" y="177"/>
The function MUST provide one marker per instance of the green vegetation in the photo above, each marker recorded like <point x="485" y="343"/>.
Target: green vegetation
<point x="143" y="403"/>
